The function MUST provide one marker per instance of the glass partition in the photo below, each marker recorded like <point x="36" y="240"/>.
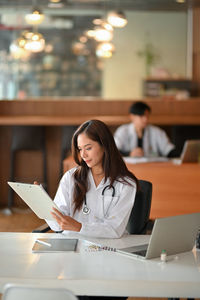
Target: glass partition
<point x="68" y="65"/>
<point x="65" y="67"/>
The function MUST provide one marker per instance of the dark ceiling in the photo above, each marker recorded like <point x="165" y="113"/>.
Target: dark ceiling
<point x="82" y="12"/>
<point x="149" y="5"/>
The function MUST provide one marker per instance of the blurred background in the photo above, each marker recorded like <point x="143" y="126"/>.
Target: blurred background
<point x="63" y="62"/>
<point x="62" y="48"/>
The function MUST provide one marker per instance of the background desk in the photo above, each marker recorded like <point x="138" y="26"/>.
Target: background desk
<point x="98" y="273"/>
<point x="176" y="188"/>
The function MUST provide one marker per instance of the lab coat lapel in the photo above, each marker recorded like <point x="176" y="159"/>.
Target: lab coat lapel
<point x="146" y="142"/>
<point x="133" y="136"/>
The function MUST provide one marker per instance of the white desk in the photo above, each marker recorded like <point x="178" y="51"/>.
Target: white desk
<point x="98" y="273"/>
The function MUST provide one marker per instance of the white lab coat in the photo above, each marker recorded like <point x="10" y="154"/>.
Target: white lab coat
<point x="155" y="140"/>
<point x="108" y="216"/>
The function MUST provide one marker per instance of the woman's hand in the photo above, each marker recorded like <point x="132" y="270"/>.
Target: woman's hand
<point x="66" y="222"/>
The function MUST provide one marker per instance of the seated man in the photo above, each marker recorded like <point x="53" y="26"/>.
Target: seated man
<point x="139" y="138"/>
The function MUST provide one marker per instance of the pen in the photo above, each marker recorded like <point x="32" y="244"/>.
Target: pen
<point x="43" y="243"/>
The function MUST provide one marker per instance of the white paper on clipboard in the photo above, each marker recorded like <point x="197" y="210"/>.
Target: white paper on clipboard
<point x="36" y="198"/>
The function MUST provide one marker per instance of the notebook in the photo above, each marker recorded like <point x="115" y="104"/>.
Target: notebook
<point x="54" y="245"/>
<point x="139" y="160"/>
<point x="190" y="152"/>
<point x="36" y="198"/>
<point x="174" y="234"/>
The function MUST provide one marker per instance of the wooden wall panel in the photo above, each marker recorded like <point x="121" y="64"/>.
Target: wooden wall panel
<point x="76" y="108"/>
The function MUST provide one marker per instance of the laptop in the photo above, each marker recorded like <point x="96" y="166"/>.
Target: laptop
<point x="174" y="234"/>
<point x="190" y="152"/>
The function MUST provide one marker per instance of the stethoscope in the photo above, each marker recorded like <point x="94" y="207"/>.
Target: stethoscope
<point x="86" y="210"/>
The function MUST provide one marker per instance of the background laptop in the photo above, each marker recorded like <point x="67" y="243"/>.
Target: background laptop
<point x="174" y="234"/>
<point x="190" y="152"/>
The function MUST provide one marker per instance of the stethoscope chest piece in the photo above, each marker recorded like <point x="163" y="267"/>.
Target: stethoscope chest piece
<point x="86" y="210"/>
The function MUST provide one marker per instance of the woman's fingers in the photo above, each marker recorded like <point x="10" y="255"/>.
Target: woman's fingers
<point x="61" y="220"/>
<point x="57" y="212"/>
<point x="55" y="216"/>
<point x="66" y="222"/>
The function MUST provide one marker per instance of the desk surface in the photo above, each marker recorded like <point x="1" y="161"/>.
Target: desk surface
<point x="99" y="273"/>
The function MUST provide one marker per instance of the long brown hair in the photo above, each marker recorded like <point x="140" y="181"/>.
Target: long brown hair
<point x="113" y="165"/>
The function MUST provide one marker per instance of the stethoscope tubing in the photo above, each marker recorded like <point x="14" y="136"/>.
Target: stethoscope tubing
<point x="86" y="210"/>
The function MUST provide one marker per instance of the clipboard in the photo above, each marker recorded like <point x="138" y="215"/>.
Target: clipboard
<point x="54" y="245"/>
<point x="36" y="198"/>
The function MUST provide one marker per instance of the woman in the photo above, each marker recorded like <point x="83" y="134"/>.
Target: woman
<point x="96" y="197"/>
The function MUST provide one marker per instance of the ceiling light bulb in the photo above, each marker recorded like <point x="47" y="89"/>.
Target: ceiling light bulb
<point x="106" y="47"/>
<point x="36" y="43"/>
<point x="17" y="52"/>
<point x="27" y="34"/>
<point x="21" y="41"/>
<point x="117" y="19"/>
<point x="36" y="17"/>
<point x="107" y="26"/>
<point x="103" y="35"/>
<point x="36" y="37"/>
<point x="90" y="33"/>
<point x="103" y="54"/>
<point x="97" y="21"/>
<point x="35" y="46"/>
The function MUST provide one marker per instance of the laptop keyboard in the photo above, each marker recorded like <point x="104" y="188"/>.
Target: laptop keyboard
<point x="141" y="252"/>
<point x="138" y="250"/>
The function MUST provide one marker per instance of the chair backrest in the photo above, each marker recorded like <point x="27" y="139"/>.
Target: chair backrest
<point x="28" y="138"/>
<point x="141" y="209"/>
<point x="198" y="240"/>
<point x="35" y="292"/>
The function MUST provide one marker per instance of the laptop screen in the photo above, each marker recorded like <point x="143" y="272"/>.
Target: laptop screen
<point x="191" y="151"/>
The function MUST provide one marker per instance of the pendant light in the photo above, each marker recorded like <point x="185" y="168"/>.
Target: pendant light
<point x="103" y="35"/>
<point x="36" y="43"/>
<point x="117" y="19"/>
<point x="36" y="17"/>
<point x="105" y="50"/>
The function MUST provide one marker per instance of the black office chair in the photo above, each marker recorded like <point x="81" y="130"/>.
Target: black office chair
<point x="181" y="133"/>
<point x="26" y="138"/>
<point x="198" y="240"/>
<point x="139" y="222"/>
<point x="66" y="138"/>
